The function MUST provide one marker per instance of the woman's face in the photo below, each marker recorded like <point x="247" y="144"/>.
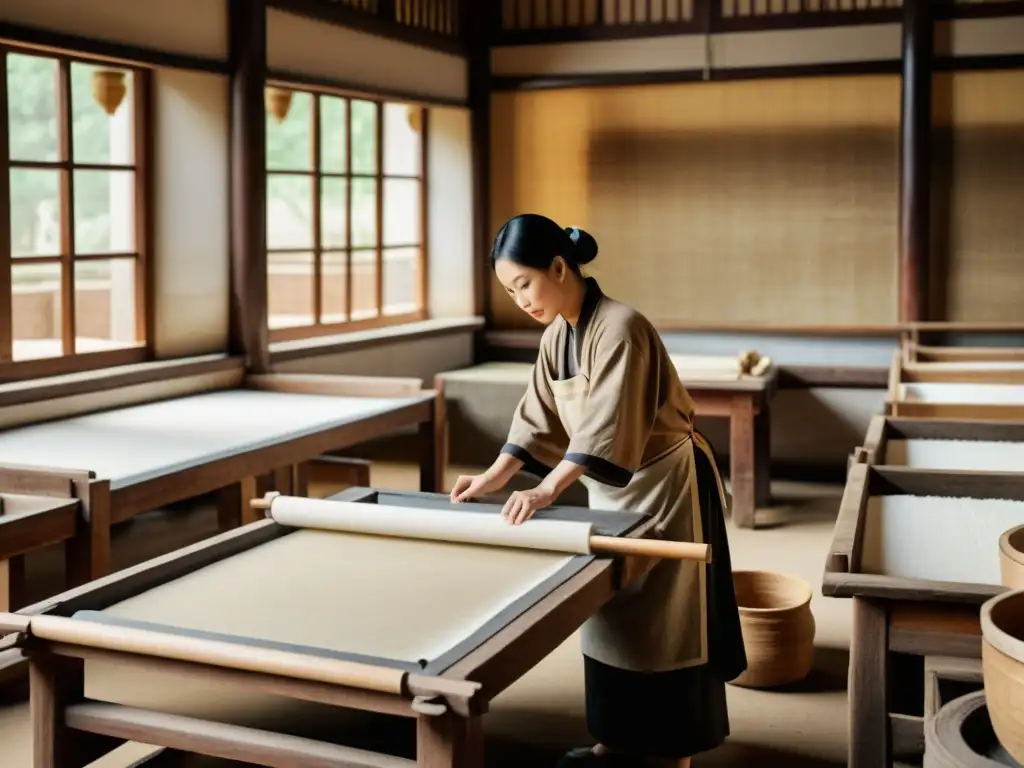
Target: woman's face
<point x="540" y="294"/>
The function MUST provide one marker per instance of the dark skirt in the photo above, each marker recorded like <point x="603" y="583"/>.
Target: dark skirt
<point x="680" y="713"/>
<point x="669" y="715"/>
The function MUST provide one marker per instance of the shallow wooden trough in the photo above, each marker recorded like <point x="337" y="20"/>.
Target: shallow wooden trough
<point x="917" y="550"/>
<point x="946" y="444"/>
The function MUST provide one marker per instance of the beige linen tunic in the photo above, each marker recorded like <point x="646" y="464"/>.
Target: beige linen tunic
<point x="605" y="395"/>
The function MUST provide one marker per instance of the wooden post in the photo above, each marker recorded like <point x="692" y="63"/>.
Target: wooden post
<point x="869" y="743"/>
<point x="477" y="29"/>
<point x="6" y="320"/>
<point x="247" y="35"/>
<point x="915" y="161"/>
<point x="87" y="554"/>
<point x="449" y="741"/>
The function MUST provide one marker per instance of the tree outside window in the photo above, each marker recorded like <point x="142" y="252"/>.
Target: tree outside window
<point x="73" y="254"/>
<point x="345" y="213"/>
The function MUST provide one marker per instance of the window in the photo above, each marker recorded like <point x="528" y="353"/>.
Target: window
<point x="345" y="213"/>
<point x="71" y="281"/>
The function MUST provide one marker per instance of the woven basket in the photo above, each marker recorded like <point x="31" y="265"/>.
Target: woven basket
<point x="278" y="101"/>
<point x="108" y="89"/>
<point x="778" y="628"/>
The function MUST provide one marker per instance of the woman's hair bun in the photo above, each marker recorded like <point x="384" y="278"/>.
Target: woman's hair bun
<point x="584" y="245"/>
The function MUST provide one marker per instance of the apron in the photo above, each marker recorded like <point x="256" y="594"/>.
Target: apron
<point x="660" y="621"/>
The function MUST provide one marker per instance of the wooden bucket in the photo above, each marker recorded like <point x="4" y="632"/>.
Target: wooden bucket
<point x="1011" y="557"/>
<point x="778" y="628"/>
<point x="960" y="735"/>
<point x="1002" y="667"/>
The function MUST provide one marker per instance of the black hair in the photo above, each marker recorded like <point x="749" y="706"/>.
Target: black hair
<point x="532" y="240"/>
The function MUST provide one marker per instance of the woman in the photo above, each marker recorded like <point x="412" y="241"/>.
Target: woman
<point x="606" y="406"/>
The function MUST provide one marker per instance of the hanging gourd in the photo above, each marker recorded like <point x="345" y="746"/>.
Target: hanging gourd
<point x="278" y="102"/>
<point x="108" y="88"/>
<point x="414" y="115"/>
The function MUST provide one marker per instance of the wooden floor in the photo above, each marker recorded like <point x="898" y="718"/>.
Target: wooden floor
<point x="542" y="715"/>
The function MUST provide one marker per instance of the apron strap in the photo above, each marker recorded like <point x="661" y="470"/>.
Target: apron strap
<point x="702" y="443"/>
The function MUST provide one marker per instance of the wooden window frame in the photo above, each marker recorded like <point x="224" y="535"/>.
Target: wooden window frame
<point x="316" y="175"/>
<point x="71" y="361"/>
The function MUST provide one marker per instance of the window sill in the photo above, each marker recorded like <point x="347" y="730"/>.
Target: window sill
<point x="100" y="379"/>
<point x="282" y="351"/>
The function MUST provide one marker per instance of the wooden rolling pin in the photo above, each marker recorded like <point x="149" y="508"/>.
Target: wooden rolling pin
<point x="611" y="545"/>
<point x="666" y="550"/>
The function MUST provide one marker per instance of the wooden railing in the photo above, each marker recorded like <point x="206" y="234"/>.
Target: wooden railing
<point x="440" y="16"/>
<point x="435" y="23"/>
<point x="443" y="24"/>
<point x="527" y="21"/>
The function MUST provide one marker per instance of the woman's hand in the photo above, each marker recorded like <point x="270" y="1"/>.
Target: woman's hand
<point x="493" y="479"/>
<point x="522" y="504"/>
<point x="469" y="487"/>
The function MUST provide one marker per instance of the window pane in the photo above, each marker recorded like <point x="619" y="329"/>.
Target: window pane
<point x="104" y="212"/>
<point x="364" y="284"/>
<point x="36" y="311"/>
<point x="289" y="211"/>
<point x="402" y="139"/>
<point x="364" y="212"/>
<point x="290" y="289"/>
<point x="333" y="288"/>
<point x="333" y="213"/>
<point x="289" y="142"/>
<point x="364" y="137"/>
<point x="104" y="304"/>
<point x="32" y="107"/>
<point x="96" y="136"/>
<point x="333" y="133"/>
<point x="401" y="280"/>
<point x="401" y="212"/>
<point x="35" y="213"/>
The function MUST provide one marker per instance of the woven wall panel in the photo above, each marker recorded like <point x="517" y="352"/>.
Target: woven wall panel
<point x="978" y="203"/>
<point x="766" y="202"/>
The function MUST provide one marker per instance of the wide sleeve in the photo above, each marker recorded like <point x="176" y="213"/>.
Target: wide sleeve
<point x="537" y="437"/>
<point x="621" y="409"/>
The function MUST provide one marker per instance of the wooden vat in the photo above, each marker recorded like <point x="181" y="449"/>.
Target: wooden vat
<point x="961" y="736"/>
<point x="917" y="552"/>
<point x="1002" y="665"/>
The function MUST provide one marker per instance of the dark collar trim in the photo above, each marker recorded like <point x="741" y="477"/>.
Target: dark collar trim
<point x="591" y="298"/>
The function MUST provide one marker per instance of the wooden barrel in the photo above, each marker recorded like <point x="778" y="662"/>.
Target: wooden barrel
<point x="1002" y="667"/>
<point x="778" y="628"/>
<point x="960" y="735"/>
<point x="1011" y="557"/>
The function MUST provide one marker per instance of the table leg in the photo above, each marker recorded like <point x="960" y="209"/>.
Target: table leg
<point x="6" y="598"/>
<point x="300" y="479"/>
<point x="449" y="741"/>
<point x="87" y="553"/>
<point x="762" y="459"/>
<point x="433" y="441"/>
<point x="247" y="490"/>
<point x="868" y="686"/>
<point x="12" y="584"/>
<point x="56" y="682"/>
<point x="742" y="461"/>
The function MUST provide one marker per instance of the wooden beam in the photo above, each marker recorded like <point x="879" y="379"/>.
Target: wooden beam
<point x="109" y="52"/>
<point x="915" y="160"/>
<point x="247" y="40"/>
